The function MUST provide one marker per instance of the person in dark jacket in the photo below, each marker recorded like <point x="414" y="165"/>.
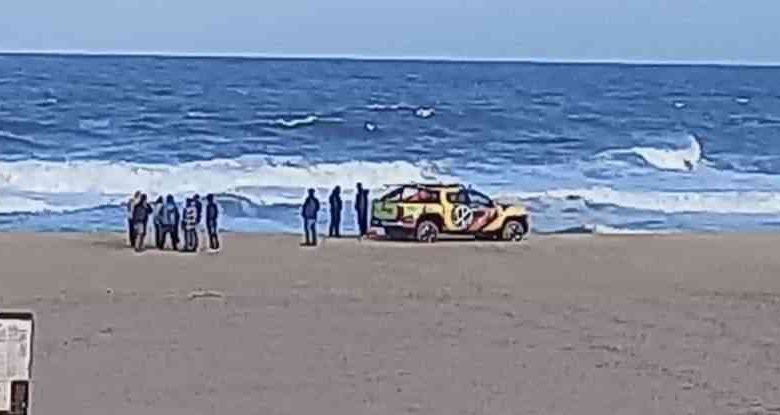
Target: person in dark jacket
<point x="141" y="212"/>
<point x="212" y="212"/>
<point x="169" y="222"/>
<point x="157" y="216"/>
<point x="309" y="210"/>
<point x="361" y="209"/>
<point x="336" y="204"/>
<point x="198" y="218"/>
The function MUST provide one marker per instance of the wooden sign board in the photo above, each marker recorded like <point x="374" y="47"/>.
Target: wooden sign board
<point x="16" y="340"/>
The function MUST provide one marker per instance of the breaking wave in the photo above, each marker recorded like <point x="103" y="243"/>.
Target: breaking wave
<point x="680" y="159"/>
<point x="31" y="186"/>
<point x="726" y="202"/>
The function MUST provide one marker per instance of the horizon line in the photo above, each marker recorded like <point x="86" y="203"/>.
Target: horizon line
<point x="381" y="58"/>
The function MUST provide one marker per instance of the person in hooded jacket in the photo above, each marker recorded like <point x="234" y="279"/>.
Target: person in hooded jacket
<point x="169" y="222"/>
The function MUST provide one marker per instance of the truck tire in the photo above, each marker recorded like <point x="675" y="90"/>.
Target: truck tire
<point x="427" y="231"/>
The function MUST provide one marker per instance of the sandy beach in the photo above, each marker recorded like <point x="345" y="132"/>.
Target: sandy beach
<point x="672" y="324"/>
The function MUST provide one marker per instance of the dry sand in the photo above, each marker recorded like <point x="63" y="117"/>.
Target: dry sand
<point x="556" y="325"/>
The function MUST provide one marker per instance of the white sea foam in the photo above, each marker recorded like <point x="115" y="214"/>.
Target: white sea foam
<point x="201" y="115"/>
<point x="7" y="135"/>
<point x="370" y="127"/>
<point x="258" y="178"/>
<point x="727" y="202"/>
<point x="743" y="100"/>
<point x="611" y="230"/>
<point x="389" y="107"/>
<point x="14" y="204"/>
<point x="424" y="112"/>
<point x="681" y="159"/>
<point x="94" y="124"/>
<point x="295" y="122"/>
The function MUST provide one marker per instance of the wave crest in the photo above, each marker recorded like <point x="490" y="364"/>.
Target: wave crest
<point x="725" y="202"/>
<point x="263" y="180"/>
<point x="295" y="122"/>
<point x="681" y="159"/>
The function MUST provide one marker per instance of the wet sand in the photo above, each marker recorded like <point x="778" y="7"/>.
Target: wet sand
<point x="672" y="324"/>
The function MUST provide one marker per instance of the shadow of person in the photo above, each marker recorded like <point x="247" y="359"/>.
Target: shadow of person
<point x="111" y="243"/>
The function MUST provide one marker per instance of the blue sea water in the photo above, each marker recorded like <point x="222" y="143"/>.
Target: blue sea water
<point x="605" y="148"/>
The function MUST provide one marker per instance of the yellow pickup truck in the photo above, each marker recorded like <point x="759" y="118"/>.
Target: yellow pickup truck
<point x="424" y="211"/>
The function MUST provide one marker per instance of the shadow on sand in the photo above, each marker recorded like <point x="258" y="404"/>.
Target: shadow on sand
<point x="116" y="244"/>
<point x="448" y="239"/>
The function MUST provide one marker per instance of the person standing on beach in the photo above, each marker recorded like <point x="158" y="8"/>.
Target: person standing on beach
<point x="335" y="203"/>
<point x="141" y="212"/>
<point x="130" y="225"/>
<point x="170" y="222"/>
<point x="185" y="235"/>
<point x="157" y="219"/>
<point x="199" y="215"/>
<point x="361" y="209"/>
<point x="311" y="207"/>
<point x="212" y="212"/>
<point x="189" y="224"/>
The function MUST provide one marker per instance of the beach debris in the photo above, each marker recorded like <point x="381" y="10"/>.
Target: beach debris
<point x="205" y="294"/>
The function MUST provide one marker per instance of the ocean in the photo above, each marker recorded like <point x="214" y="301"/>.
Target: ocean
<point x="587" y="147"/>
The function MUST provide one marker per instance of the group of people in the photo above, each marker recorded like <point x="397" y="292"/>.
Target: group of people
<point x="311" y="208"/>
<point x="167" y="221"/>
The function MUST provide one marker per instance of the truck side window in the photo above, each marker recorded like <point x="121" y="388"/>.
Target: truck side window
<point x="480" y="199"/>
<point x="458" y="197"/>
<point x="394" y="196"/>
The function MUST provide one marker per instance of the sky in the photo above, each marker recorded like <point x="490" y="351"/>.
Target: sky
<point x="569" y="30"/>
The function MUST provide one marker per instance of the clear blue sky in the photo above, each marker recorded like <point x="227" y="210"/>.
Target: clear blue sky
<point x="657" y="30"/>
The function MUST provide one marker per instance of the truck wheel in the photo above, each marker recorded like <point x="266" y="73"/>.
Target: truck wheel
<point x="513" y="230"/>
<point x="427" y="231"/>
